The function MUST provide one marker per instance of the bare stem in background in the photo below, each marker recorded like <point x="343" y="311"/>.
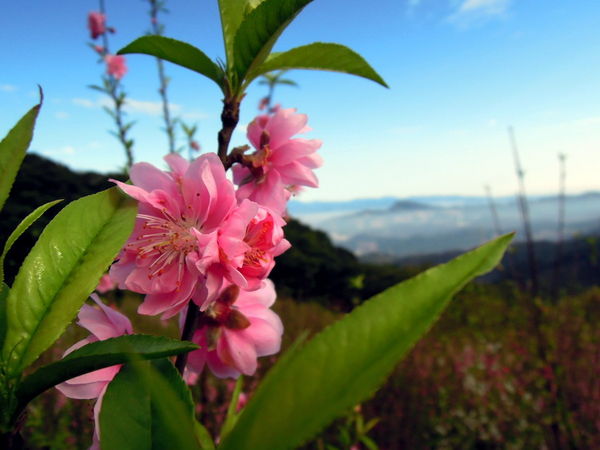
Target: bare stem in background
<point x="494" y="212"/>
<point x="114" y="89"/>
<point x="157" y="6"/>
<point x="561" y="226"/>
<point x="524" y="210"/>
<point x="272" y="80"/>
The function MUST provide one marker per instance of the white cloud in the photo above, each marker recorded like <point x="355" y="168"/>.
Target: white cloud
<point x="470" y="12"/>
<point x="195" y="115"/>
<point x="150" y="108"/>
<point x="84" y="102"/>
<point x="7" y="88"/>
<point x="131" y="105"/>
<point x="62" y="151"/>
<point x="61" y="115"/>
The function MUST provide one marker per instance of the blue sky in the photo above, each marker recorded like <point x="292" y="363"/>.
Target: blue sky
<point x="460" y="71"/>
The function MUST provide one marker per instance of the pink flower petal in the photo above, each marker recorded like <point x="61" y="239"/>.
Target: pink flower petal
<point x="237" y="352"/>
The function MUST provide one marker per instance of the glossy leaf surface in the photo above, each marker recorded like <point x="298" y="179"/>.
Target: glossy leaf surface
<point x="98" y="355"/>
<point x="259" y="31"/>
<point x="148" y="406"/>
<point x="21" y="228"/>
<point x="61" y="271"/>
<point x="320" y="56"/>
<point x="177" y="52"/>
<point x="12" y="150"/>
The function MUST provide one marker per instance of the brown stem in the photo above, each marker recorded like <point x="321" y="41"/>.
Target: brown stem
<point x="186" y="335"/>
<point x="229" y="118"/>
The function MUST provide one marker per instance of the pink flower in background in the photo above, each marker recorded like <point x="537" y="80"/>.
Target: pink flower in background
<point x="96" y="24"/>
<point x="234" y="331"/>
<point x="105" y="284"/>
<point x="180" y="233"/>
<point x="115" y="66"/>
<point x="103" y="323"/>
<point x="279" y="160"/>
<point x="99" y="49"/>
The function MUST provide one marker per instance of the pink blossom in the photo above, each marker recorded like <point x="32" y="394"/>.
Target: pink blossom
<point x="115" y="66"/>
<point x="96" y="24"/>
<point x="264" y="236"/>
<point x="99" y="49"/>
<point x="188" y="237"/>
<point x="279" y="161"/>
<point x="249" y="241"/>
<point x="235" y="330"/>
<point x="103" y="323"/>
<point x="106" y="284"/>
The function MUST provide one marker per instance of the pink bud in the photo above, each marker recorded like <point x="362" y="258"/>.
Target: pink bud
<point x="96" y="24"/>
<point x="195" y="145"/>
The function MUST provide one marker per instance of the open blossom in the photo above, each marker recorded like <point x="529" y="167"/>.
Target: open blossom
<point x="191" y="236"/>
<point x="175" y="238"/>
<point x="234" y="331"/>
<point x="103" y="323"/>
<point x="115" y="66"/>
<point x="96" y="24"/>
<point x="279" y="160"/>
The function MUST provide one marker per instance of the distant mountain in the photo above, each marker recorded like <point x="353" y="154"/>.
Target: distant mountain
<point x="399" y="206"/>
<point x="423" y="225"/>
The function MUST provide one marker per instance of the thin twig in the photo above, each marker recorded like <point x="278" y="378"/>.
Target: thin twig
<point x="157" y="29"/>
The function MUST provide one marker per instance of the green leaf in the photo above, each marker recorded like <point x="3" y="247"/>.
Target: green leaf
<point x="148" y="406"/>
<point x="13" y="148"/>
<point x="259" y="31"/>
<point x="60" y="272"/>
<point x="98" y="355"/>
<point x="204" y="437"/>
<point x="319" y="56"/>
<point x="349" y="360"/>
<point x="232" y="414"/>
<point x="4" y="289"/>
<point x="21" y="228"/>
<point x="177" y="52"/>
<point x="232" y="12"/>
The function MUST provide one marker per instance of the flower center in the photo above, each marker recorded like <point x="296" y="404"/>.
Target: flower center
<point x="167" y="241"/>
